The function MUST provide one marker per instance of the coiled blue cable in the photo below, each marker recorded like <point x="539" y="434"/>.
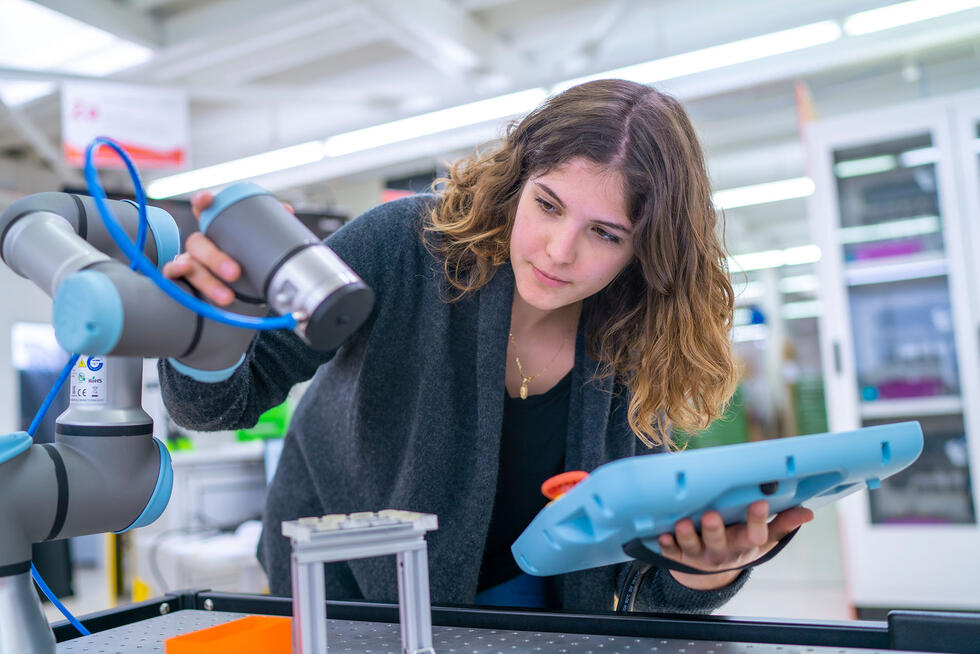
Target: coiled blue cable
<point x="139" y="261"/>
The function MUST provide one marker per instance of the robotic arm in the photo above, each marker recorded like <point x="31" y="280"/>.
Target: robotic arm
<point x="106" y="472"/>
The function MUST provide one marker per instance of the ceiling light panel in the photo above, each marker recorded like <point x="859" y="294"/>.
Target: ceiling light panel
<point x="903" y="13"/>
<point x="33" y="37"/>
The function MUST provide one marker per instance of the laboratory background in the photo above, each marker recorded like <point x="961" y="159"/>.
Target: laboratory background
<point x="843" y="144"/>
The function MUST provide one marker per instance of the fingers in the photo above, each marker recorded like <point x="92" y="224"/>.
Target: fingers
<point x="186" y="268"/>
<point x="714" y="537"/>
<point x="789" y="520"/>
<point x="688" y="539"/>
<point x="756" y="527"/>
<point x="668" y="546"/>
<point x="206" y="268"/>
<point x="200" y="202"/>
<point x="219" y="264"/>
<point x="720" y="546"/>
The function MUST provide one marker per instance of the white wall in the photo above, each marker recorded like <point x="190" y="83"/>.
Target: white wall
<point x="21" y="300"/>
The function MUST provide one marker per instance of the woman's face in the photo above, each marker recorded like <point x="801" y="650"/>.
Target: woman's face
<point x="571" y="235"/>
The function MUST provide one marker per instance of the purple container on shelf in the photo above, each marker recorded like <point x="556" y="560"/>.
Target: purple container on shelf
<point x="887" y="249"/>
<point x="903" y="388"/>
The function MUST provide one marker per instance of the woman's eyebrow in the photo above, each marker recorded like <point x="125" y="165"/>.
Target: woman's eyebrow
<point x="554" y="196"/>
<point x="616" y="226"/>
<point x="561" y="205"/>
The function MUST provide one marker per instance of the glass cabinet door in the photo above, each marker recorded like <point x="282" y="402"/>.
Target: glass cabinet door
<point x="891" y="234"/>
<point x="889" y="202"/>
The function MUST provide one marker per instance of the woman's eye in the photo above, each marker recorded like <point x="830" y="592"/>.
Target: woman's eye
<point x="606" y="236"/>
<point x="546" y="206"/>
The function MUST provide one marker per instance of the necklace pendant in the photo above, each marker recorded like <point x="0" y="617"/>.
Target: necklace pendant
<point x="523" y="390"/>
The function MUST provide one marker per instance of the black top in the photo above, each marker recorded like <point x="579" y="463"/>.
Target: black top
<point x="532" y="449"/>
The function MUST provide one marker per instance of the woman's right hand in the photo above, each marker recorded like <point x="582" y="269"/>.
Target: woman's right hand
<point x="202" y="264"/>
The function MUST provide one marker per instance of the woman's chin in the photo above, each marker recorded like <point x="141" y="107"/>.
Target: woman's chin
<point x="544" y="299"/>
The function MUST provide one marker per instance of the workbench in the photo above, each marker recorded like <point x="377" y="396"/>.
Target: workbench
<point x="372" y="628"/>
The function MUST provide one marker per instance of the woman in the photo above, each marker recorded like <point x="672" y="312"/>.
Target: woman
<point x="563" y="297"/>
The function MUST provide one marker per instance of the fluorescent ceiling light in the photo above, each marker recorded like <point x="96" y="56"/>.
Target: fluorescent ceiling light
<point x="33" y="37"/>
<point x="795" y="284"/>
<point x="892" y="229"/>
<point x="767" y="45"/>
<point x="434" y="122"/>
<point x="231" y="171"/>
<point x="797" y="310"/>
<point x="749" y="291"/>
<point x="876" y="272"/>
<point x="919" y="157"/>
<point x="341" y="144"/>
<point x="885" y="162"/>
<point x="799" y="284"/>
<point x="865" y="166"/>
<point x="800" y="255"/>
<point x="726" y="54"/>
<point x="743" y="196"/>
<point x="15" y="94"/>
<point x="718" y="56"/>
<point x="774" y="258"/>
<point x="756" y="260"/>
<point x="746" y="333"/>
<point x="903" y="13"/>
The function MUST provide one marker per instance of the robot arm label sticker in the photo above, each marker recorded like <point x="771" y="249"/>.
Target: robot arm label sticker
<point x="88" y="381"/>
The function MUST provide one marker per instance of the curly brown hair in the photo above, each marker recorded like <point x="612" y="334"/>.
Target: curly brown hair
<point x="662" y="326"/>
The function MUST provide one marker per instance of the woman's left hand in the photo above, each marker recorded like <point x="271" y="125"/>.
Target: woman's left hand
<point x="719" y="547"/>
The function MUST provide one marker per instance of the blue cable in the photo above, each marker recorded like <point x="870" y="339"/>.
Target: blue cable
<point x="139" y="261"/>
<point x="53" y="393"/>
<point x="54" y="600"/>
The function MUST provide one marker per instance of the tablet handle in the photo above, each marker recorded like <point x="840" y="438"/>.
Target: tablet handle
<point x="637" y="550"/>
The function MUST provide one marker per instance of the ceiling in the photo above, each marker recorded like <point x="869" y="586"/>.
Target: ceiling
<point x="263" y="75"/>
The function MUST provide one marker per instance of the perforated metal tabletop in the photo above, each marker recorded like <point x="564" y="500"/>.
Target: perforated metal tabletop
<point x="359" y="637"/>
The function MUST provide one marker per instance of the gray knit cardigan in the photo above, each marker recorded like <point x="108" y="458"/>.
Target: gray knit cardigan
<point x="407" y="415"/>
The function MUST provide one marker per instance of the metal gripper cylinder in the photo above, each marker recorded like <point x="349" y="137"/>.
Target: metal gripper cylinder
<point x="288" y="265"/>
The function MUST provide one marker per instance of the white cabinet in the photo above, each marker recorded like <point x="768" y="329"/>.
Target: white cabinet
<point x="900" y="244"/>
<point x="215" y="488"/>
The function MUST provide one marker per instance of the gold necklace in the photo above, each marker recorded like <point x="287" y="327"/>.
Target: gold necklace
<point x="520" y="369"/>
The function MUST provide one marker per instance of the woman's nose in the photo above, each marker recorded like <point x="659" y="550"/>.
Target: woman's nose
<point x="561" y="244"/>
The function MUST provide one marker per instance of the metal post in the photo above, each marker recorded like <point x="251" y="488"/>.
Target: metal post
<point x="341" y="537"/>
<point x="414" y="609"/>
<point x="309" y="608"/>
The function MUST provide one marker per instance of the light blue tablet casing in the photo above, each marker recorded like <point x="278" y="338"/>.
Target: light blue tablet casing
<point x="644" y="496"/>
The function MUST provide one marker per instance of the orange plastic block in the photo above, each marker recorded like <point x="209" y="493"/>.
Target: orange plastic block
<point x="257" y="633"/>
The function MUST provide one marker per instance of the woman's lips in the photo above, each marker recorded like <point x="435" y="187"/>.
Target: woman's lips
<point x="547" y="280"/>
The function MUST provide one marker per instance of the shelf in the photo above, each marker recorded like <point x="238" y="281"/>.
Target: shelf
<point x="913" y="407"/>
<point x="895" y="269"/>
